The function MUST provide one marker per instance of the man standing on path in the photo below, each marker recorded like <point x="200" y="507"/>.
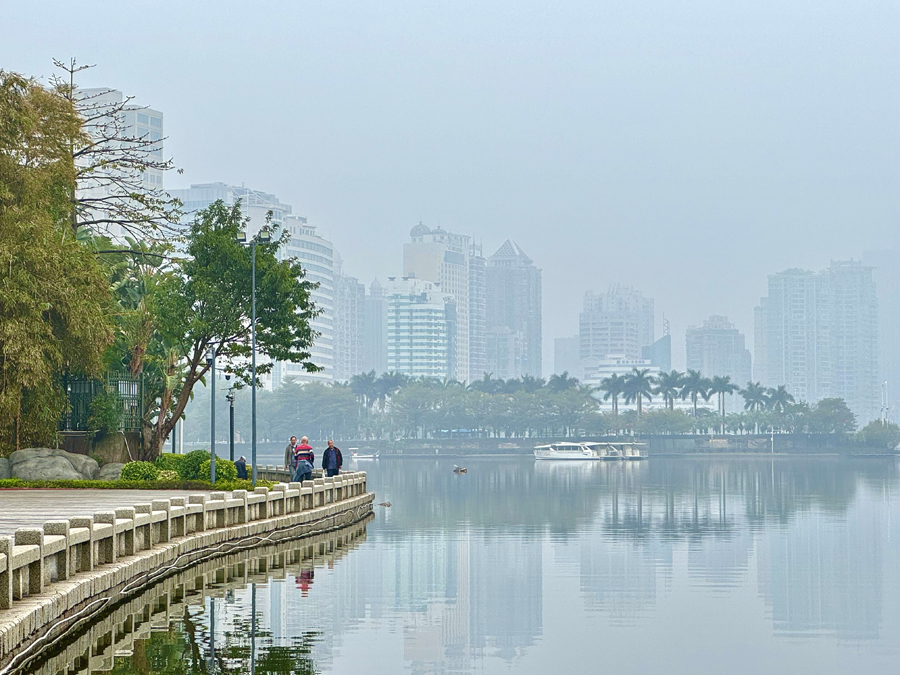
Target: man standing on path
<point x="304" y="458"/>
<point x="289" y="454"/>
<point x="332" y="460"/>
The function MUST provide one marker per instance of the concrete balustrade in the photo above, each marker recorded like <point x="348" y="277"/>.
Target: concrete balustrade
<point x="36" y="560"/>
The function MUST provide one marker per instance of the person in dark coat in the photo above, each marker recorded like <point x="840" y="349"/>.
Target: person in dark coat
<point x="332" y="460"/>
<point x="303" y="459"/>
<point x="241" y="466"/>
<point x="289" y="454"/>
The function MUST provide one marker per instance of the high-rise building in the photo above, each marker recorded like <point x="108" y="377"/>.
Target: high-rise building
<point x="421" y="328"/>
<point x="818" y="334"/>
<point x="316" y="255"/>
<point x="375" y="335"/>
<point x="114" y="121"/>
<point x="616" y="324"/>
<point x="478" y="364"/>
<point x="886" y="274"/>
<point x="717" y="349"/>
<point x="513" y="314"/>
<point x="566" y="356"/>
<point x="442" y="258"/>
<point x="349" y="324"/>
<point x="659" y="354"/>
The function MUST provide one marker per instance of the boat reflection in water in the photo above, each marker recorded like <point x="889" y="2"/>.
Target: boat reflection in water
<point x="205" y="619"/>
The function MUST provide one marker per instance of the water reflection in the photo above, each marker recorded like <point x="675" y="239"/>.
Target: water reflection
<point x="782" y="565"/>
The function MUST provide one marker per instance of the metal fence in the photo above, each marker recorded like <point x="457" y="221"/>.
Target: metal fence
<point x="82" y="391"/>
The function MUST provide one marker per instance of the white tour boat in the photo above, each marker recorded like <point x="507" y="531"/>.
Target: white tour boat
<point x="358" y="456"/>
<point x="591" y="451"/>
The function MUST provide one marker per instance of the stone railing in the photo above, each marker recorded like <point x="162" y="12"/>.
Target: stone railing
<point x="36" y="560"/>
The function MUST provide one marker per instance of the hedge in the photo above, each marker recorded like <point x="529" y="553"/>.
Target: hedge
<point x="225" y="470"/>
<point x="139" y="471"/>
<point x="202" y="485"/>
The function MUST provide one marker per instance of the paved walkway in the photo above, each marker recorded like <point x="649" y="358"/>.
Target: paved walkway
<point x="32" y="508"/>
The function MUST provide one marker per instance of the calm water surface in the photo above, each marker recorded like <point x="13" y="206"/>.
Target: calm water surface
<point x="667" y="566"/>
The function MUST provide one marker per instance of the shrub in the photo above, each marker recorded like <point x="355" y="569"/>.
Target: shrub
<point x="225" y="470"/>
<point x="139" y="471"/>
<point x="167" y="475"/>
<point x="105" y="414"/>
<point x="189" y="467"/>
<point x="877" y="434"/>
<point x="169" y="462"/>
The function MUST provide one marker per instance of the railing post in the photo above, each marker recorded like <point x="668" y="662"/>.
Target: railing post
<point x="32" y="536"/>
<point x="60" y="527"/>
<point x="6" y="574"/>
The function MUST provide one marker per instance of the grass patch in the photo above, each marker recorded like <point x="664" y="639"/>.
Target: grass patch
<point x="204" y="485"/>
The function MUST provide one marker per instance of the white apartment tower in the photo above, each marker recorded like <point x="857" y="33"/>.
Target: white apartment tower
<point x="421" y="328"/>
<point x="617" y="323"/>
<point x="442" y="258"/>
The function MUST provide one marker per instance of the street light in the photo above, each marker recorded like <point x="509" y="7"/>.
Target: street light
<point x="230" y="398"/>
<point x="211" y="362"/>
<point x="262" y="237"/>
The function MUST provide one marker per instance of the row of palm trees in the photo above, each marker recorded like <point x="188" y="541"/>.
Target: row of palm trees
<point x="639" y="384"/>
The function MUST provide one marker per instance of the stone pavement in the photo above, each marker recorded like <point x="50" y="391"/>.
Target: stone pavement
<point x="32" y="508"/>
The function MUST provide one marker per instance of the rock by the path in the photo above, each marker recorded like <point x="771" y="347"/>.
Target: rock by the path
<point x="110" y="471"/>
<point x="45" y="468"/>
<point x="51" y="464"/>
<point x="4" y="468"/>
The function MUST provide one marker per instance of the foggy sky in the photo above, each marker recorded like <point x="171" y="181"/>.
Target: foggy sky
<point x="687" y="147"/>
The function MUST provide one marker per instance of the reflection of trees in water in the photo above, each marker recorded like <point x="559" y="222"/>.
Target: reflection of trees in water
<point x="681" y="497"/>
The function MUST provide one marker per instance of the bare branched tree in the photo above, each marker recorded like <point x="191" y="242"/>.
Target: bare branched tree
<point x="118" y="169"/>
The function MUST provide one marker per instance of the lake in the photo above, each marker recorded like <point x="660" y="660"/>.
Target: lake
<point x="712" y="565"/>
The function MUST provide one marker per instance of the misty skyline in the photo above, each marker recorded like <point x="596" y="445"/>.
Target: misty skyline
<point x="689" y="149"/>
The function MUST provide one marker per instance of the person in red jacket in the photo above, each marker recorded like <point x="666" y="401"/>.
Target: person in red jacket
<point x="303" y="460"/>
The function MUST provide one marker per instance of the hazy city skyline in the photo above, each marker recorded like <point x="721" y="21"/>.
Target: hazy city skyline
<point x="629" y="142"/>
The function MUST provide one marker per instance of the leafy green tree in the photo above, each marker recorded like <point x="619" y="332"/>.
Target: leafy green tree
<point x="562" y="382"/>
<point x="665" y="421"/>
<point x="638" y="384"/>
<point x="668" y="385"/>
<point x="879" y="434"/>
<point x="695" y="386"/>
<point x="205" y="304"/>
<point x="54" y="299"/>
<point x="831" y="416"/>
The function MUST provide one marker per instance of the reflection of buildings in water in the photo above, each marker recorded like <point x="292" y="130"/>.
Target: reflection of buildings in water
<point x="823" y="572"/>
<point x="722" y="559"/>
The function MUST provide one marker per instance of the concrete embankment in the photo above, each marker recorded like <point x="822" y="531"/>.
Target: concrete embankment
<point x="60" y="576"/>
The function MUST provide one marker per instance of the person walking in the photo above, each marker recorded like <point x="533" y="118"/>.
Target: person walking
<point x="303" y="460"/>
<point x="332" y="459"/>
<point x="289" y="454"/>
<point x="241" y="466"/>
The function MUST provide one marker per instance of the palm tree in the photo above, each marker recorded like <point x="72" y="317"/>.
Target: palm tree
<point x="388" y="384"/>
<point x="668" y="385"/>
<point x="779" y="399"/>
<point x="722" y="385"/>
<point x="614" y="386"/>
<point x="363" y="385"/>
<point x="695" y="386"/>
<point x="487" y="384"/>
<point x="638" y="384"/>
<point x="531" y="384"/>
<point x="562" y="382"/>
<point x="754" y="396"/>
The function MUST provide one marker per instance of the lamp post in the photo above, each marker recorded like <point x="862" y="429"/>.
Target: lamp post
<point x="230" y="397"/>
<point x="211" y="362"/>
<point x="262" y="237"/>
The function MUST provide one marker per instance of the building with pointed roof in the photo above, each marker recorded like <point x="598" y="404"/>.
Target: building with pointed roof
<point x="513" y="313"/>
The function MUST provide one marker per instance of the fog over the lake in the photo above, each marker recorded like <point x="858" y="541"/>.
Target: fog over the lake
<point x="688" y="147"/>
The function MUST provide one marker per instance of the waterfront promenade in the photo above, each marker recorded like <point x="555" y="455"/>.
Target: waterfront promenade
<point x="74" y="553"/>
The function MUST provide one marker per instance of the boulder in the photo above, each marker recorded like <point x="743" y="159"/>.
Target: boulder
<point x="79" y="466"/>
<point x="110" y="471"/>
<point x="45" y="468"/>
<point x="4" y="468"/>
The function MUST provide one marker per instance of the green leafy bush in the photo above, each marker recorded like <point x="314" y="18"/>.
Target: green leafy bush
<point x="877" y="434"/>
<point x="189" y="467"/>
<point x="169" y="462"/>
<point x="225" y="470"/>
<point x="18" y="483"/>
<point x="139" y="471"/>
<point x="166" y="474"/>
<point x="105" y="415"/>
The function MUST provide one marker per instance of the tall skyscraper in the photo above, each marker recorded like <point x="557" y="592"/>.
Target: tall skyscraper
<point x="349" y="324"/>
<point x="616" y="324"/>
<point x="513" y="313"/>
<point x="886" y="274"/>
<point x="442" y="258"/>
<point x="478" y="364"/>
<point x="316" y="255"/>
<point x="375" y="337"/>
<point x="717" y="348"/>
<point x="113" y="121"/>
<point x="818" y="334"/>
<point x="421" y="328"/>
